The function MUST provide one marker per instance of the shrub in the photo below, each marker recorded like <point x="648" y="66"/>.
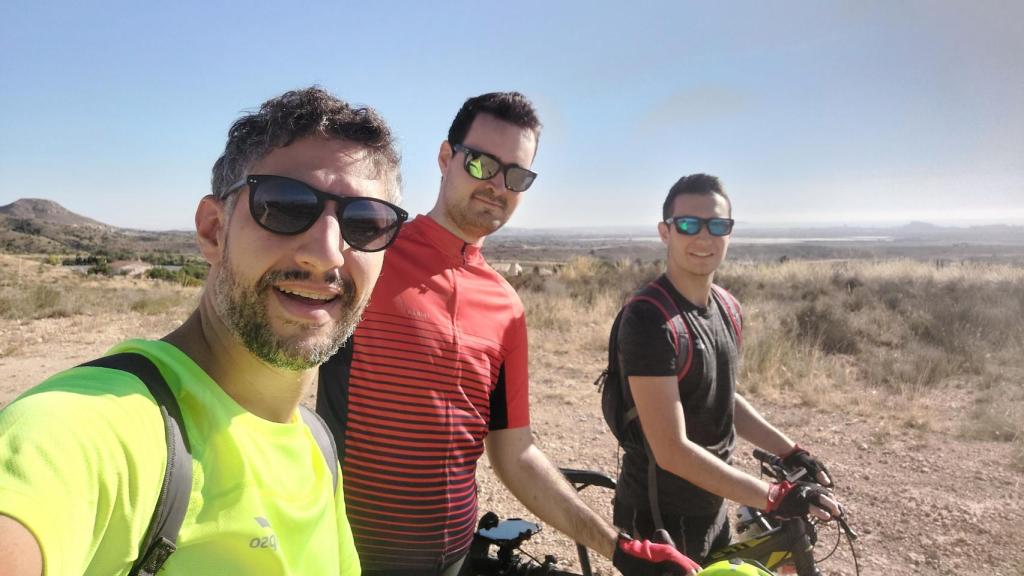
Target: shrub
<point x="824" y="325"/>
<point x="156" y="304"/>
<point x="102" y="268"/>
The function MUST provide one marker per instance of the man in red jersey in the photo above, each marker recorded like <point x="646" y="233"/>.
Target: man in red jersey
<point x="437" y="373"/>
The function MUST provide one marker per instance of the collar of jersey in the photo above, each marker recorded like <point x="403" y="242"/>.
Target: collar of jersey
<point x="447" y="243"/>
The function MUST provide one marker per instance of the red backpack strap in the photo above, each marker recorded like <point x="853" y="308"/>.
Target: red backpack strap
<point x="664" y="311"/>
<point x="732" y="308"/>
<point x="656" y="294"/>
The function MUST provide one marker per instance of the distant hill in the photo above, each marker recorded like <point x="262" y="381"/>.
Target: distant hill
<point x="49" y="211"/>
<point x="913" y="232"/>
<point x="32" y="226"/>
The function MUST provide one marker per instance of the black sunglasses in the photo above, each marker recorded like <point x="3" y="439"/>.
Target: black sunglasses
<point x="483" y="166"/>
<point x="290" y="207"/>
<point x="691" y="225"/>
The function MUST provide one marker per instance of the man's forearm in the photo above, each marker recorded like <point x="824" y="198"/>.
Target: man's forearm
<point x="699" y="467"/>
<point x="751" y="426"/>
<point x="540" y="486"/>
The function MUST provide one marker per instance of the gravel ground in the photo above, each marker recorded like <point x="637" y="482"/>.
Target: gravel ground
<point x="921" y="496"/>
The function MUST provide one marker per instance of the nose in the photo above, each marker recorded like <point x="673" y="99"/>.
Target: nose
<point x="703" y="235"/>
<point x="321" y="248"/>
<point x="498" y="182"/>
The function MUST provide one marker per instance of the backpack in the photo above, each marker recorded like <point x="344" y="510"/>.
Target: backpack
<point x="172" y="503"/>
<point x="617" y="404"/>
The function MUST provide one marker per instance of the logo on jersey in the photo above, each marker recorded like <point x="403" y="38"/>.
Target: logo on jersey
<point x="269" y="541"/>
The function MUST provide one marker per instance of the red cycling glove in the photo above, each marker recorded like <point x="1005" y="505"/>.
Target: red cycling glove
<point x="645" y="558"/>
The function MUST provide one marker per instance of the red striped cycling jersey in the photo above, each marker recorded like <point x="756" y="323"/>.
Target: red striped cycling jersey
<point x="439" y="359"/>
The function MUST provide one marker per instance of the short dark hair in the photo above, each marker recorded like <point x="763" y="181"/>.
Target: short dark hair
<point x="698" y="184"/>
<point x="297" y="114"/>
<point x="511" y="107"/>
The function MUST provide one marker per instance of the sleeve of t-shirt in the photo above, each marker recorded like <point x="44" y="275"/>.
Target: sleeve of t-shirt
<point x="510" y="398"/>
<point x="645" y="340"/>
<point x="73" y="469"/>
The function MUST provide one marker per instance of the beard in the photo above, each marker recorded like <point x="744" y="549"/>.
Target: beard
<point x="244" y="310"/>
<point x="480" y="222"/>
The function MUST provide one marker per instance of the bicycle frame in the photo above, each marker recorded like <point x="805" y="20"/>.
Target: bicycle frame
<point x="782" y="542"/>
<point x="506" y="537"/>
<point x="792" y="540"/>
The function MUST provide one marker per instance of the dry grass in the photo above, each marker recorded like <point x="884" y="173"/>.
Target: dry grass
<point x="30" y="292"/>
<point x="820" y="332"/>
<point x="825" y="332"/>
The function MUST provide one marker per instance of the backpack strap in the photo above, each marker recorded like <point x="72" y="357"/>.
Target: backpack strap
<point x="681" y="329"/>
<point x="731" y="305"/>
<point x="324" y="439"/>
<point x="656" y="294"/>
<point x="172" y="504"/>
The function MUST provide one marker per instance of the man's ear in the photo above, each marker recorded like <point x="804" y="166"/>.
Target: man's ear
<point x="664" y="232"/>
<point x="211" y="228"/>
<point x="444" y="156"/>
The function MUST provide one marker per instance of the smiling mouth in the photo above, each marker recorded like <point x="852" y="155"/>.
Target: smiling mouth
<point x="489" y="200"/>
<point x="312" y="298"/>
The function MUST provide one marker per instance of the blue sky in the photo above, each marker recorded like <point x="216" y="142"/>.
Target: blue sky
<point x="810" y="112"/>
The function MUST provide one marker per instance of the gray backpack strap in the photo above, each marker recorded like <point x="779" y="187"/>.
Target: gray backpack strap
<point x="172" y="504"/>
<point x="324" y="439"/>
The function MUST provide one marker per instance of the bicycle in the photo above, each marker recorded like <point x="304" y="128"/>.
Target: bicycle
<point x="781" y="545"/>
<point x="508" y="536"/>
<point x="771" y="543"/>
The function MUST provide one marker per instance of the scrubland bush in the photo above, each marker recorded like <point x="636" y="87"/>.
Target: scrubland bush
<point x="22" y="300"/>
<point x="813" y="329"/>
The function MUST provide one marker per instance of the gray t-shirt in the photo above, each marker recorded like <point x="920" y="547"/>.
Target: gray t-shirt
<point x="707" y="391"/>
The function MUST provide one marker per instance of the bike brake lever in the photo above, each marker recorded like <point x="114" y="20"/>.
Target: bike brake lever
<point x="796" y="475"/>
<point x="846" y="526"/>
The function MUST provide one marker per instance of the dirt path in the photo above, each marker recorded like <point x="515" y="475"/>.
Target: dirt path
<point x="921" y="497"/>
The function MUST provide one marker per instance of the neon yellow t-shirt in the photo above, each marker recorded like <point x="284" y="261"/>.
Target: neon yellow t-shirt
<point x="82" y="459"/>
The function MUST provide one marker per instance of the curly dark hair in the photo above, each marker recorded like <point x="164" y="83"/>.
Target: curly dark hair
<point x="297" y="114"/>
<point x="699" y="184"/>
<point x="511" y="107"/>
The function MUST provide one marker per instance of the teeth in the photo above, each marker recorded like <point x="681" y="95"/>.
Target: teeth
<point x="311" y="295"/>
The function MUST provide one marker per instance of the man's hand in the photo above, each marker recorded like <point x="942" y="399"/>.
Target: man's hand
<point x="645" y="558"/>
<point x="789" y="500"/>
<point x="816" y="470"/>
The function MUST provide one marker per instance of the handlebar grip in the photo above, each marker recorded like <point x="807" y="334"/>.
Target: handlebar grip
<point x="661" y="536"/>
<point x="766" y="457"/>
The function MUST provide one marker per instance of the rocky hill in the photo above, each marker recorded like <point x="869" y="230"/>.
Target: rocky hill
<point x="39" y="210"/>
<point x="33" y="226"/>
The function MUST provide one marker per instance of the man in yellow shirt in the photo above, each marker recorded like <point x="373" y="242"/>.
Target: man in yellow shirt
<point x="294" y="231"/>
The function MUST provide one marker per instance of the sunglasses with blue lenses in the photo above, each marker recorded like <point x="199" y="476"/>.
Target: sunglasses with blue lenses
<point x="483" y="166"/>
<point x="691" y="225"/>
<point x="286" y="206"/>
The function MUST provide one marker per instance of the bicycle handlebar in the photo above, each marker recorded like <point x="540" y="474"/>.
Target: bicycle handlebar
<point x="767" y="457"/>
<point x="775" y="467"/>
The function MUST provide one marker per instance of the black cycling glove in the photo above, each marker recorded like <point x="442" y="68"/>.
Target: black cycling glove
<point x="800" y="458"/>
<point x="789" y="499"/>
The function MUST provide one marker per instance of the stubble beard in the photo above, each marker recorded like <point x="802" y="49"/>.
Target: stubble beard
<point x="243" y="310"/>
<point x="479" y="222"/>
